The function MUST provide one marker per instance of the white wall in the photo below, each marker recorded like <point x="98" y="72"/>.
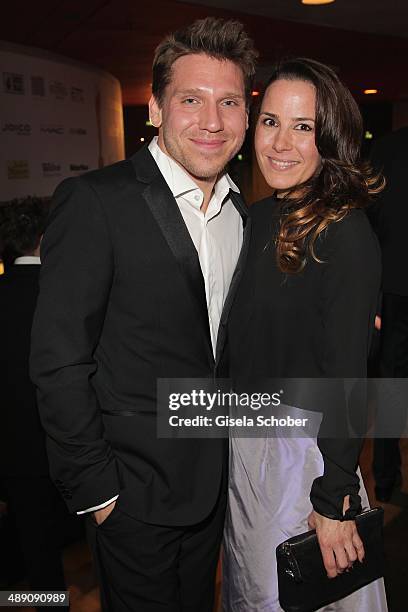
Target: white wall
<point x="58" y="118"/>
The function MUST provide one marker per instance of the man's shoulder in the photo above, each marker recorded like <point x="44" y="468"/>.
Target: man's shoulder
<point x="138" y="167"/>
<point x="107" y="175"/>
<point x="19" y="273"/>
<point x="121" y="180"/>
<point x="19" y="283"/>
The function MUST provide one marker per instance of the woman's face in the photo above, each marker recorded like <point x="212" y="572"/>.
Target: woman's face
<point x="285" y="134"/>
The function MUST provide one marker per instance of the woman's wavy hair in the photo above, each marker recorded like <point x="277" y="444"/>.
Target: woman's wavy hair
<point x="341" y="183"/>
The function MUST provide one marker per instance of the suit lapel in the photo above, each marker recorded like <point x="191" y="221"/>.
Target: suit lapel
<point x="236" y="278"/>
<point x="166" y="212"/>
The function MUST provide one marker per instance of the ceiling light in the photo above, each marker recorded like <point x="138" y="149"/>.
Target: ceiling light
<point x="317" y="1"/>
<point x="255" y="93"/>
<point x="369" y="92"/>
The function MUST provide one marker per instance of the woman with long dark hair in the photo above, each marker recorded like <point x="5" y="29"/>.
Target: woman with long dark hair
<point x="305" y="309"/>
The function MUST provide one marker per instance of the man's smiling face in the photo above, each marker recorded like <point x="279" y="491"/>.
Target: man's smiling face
<point x="203" y="117"/>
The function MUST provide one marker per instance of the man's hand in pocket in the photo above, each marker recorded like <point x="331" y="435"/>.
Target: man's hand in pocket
<point x="102" y="514"/>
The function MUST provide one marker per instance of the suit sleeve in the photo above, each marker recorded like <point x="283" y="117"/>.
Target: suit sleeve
<point x="351" y="281"/>
<point x="75" y="282"/>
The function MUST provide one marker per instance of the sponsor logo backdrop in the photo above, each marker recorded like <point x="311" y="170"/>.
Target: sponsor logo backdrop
<point x="58" y="119"/>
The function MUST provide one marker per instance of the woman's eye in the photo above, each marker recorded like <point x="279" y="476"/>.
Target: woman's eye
<point x="269" y="122"/>
<point x="304" y="127"/>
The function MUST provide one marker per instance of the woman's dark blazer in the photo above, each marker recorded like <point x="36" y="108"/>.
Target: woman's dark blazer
<point x="314" y="324"/>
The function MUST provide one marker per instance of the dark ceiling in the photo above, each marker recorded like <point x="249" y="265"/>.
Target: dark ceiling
<point x="376" y="16"/>
<point x="370" y="49"/>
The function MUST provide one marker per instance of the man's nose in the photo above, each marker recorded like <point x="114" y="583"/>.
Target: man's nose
<point x="211" y="118"/>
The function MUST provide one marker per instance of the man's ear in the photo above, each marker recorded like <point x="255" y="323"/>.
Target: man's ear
<point x="155" y="113"/>
<point x="247" y="120"/>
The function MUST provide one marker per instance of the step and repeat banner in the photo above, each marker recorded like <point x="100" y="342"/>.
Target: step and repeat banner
<point x="58" y="118"/>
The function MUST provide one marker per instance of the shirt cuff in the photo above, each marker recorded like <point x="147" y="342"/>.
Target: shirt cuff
<point x="95" y="508"/>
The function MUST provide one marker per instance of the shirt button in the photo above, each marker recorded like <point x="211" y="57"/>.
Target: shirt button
<point x="197" y="198"/>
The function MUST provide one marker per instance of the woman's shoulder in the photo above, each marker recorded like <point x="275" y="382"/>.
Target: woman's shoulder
<point x="264" y="209"/>
<point x="354" y="228"/>
<point x="355" y="220"/>
<point x="352" y="238"/>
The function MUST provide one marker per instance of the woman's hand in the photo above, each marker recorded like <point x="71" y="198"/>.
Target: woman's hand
<point x="339" y="541"/>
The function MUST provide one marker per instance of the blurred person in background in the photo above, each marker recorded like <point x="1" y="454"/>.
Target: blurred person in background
<point x="32" y="500"/>
<point x="389" y="217"/>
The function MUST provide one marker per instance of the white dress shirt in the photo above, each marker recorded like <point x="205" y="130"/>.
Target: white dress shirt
<point x="216" y="234"/>
<point x="27" y="259"/>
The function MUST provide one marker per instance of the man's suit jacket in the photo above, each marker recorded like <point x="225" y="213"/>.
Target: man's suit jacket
<point x="122" y="303"/>
<point x="389" y="215"/>
<point x="22" y="439"/>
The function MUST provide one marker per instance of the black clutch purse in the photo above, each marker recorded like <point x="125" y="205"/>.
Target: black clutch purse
<point x="302" y="578"/>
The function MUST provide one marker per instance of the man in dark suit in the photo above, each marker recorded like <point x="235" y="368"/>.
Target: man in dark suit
<point x="136" y="284"/>
<point x="32" y="499"/>
<point x="389" y="217"/>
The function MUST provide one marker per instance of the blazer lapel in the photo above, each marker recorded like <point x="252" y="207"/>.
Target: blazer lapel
<point x="166" y="212"/>
<point x="222" y="330"/>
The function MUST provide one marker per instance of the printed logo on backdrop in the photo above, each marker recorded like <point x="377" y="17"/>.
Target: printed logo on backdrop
<point x="77" y="94"/>
<point x="55" y="130"/>
<point x="78" y="167"/>
<point x="18" y="169"/>
<point x="16" y="129"/>
<point x="50" y="169"/>
<point x="13" y="83"/>
<point x="78" y="131"/>
<point x="58" y="90"/>
<point x="37" y="86"/>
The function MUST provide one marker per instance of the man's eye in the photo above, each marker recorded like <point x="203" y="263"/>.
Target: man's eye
<point x="304" y="127"/>
<point x="230" y="103"/>
<point x="189" y="101"/>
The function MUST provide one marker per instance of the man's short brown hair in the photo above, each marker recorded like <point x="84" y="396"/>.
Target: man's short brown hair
<point x="217" y="38"/>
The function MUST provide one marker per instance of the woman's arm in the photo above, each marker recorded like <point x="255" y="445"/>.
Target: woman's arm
<point x="350" y="281"/>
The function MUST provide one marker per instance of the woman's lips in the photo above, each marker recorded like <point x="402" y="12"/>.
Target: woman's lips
<point x="282" y="164"/>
